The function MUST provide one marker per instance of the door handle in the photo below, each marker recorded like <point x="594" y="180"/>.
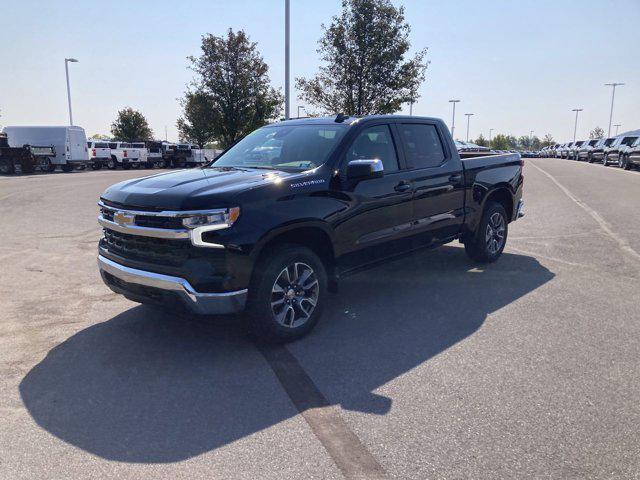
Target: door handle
<point x="402" y="187"/>
<point x="455" y="178"/>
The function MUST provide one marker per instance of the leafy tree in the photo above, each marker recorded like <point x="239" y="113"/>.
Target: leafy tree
<point x="500" y="142"/>
<point x="547" y="141"/>
<point x="483" y="142"/>
<point x="100" y="136"/>
<point x="366" y="71"/>
<point x="524" y="143"/>
<point x="596" y="133"/>
<point x="197" y="125"/>
<point x="131" y="126"/>
<point x="233" y="75"/>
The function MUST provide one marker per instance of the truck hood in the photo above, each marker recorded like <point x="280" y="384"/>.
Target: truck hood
<point x="194" y="189"/>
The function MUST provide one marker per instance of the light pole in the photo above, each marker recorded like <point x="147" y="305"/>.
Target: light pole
<point x="531" y="139"/>
<point x="613" y="95"/>
<point x="286" y="59"/>
<point x="66" y="71"/>
<point x="468" y="115"/>
<point x="300" y="107"/>
<point x="490" y="131"/>
<point x="617" y="125"/>
<point x="453" y="119"/>
<point x="575" y="125"/>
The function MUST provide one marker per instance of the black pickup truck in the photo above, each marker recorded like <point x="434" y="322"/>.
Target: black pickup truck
<point x="273" y="223"/>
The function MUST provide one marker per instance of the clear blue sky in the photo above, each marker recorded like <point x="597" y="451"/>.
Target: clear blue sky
<point x="518" y="66"/>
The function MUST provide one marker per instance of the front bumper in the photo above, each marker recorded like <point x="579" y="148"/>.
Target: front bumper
<point x="519" y="210"/>
<point x="149" y="287"/>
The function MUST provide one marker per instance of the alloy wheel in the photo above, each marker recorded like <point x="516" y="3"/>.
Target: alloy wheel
<point x="494" y="236"/>
<point x="294" y="295"/>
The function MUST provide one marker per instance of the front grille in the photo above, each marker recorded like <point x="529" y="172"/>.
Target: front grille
<point x="152" y="221"/>
<point x="147" y="249"/>
<point x="160" y="251"/>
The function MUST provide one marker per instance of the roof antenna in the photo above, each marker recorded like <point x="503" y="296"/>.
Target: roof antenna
<point x="341" y="117"/>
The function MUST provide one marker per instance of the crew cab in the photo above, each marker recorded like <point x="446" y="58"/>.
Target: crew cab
<point x="584" y="152"/>
<point x="123" y="155"/>
<point x="612" y="153"/>
<point x="99" y="153"/>
<point x="277" y="220"/>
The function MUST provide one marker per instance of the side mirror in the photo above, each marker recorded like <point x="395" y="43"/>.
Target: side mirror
<point x="364" y="169"/>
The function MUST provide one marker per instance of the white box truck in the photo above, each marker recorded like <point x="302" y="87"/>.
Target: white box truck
<point x="70" y="144"/>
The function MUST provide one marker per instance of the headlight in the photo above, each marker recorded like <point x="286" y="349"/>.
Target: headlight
<point x="213" y="220"/>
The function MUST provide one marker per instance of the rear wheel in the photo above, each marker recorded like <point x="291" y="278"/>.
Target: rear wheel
<point x="7" y="167"/>
<point x="287" y="294"/>
<point x="625" y="162"/>
<point x="126" y="166"/>
<point x="489" y="241"/>
<point x="148" y="165"/>
<point x="590" y="158"/>
<point x="605" y="160"/>
<point x="112" y="163"/>
<point x="67" y="167"/>
<point x="47" y="166"/>
<point x="96" y="165"/>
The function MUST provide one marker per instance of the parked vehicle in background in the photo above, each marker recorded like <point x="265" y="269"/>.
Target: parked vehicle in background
<point x="188" y="155"/>
<point x="572" y="153"/>
<point x="154" y="155"/>
<point x="69" y="142"/>
<point x="631" y="155"/>
<point x="23" y="159"/>
<point x="221" y="239"/>
<point x="585" y="149"/>
<point x="612" y="152"/>
<point x="143" y="154"/>
<point x="122" y="155"/>
<point x="564" y="151"/>
<point x="99" y="153"/>
<point x="597" y="152"/>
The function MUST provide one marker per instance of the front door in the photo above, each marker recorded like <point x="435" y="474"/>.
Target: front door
<point x="378" y="210"/>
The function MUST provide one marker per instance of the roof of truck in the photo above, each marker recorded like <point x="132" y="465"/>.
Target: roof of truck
<point x="347" y="120"/>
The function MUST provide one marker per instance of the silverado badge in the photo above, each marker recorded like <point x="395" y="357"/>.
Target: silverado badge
<point x="122" y="218"/>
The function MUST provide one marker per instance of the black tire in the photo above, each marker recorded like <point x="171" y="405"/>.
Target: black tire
<point x="112" y="163"/>
<point x="590" y="158"/>
<point x="135" y="166"/>
<point x="148" y="165"/>
<point x="261" y="316"/>
<point x="96" y="166"/>
<point x="605" y="160"/>
<point x="47" y="166"/>
<point x="67" y="167"/>
<point x="626" y="164"/>
<point x="126" y="166"/>
<point x="480" y="248"/>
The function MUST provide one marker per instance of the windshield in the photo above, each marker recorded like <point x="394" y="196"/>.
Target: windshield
<point x="286" y="147"/>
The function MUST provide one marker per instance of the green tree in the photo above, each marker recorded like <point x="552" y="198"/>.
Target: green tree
<point x="234" y="76"/>
<point x="500" y="142"/>
<point x="365" y="69"/>
<point x="198" y="121"/>
<point x="100" y="136"/>
<point x="483" y="142"/>
<point x="131" y="126"/>
<point x="596" y="133"/>
<point x="547" y="140"/>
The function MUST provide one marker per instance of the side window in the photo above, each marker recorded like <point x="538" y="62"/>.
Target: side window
<point x="422" y="145"/>
<point x="375" y="142"/>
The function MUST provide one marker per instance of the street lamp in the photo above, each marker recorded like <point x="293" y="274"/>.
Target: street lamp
<point x="468" y="115"/>
<point x="490" y="131"/>
<point x="286" y="59"/>
<point x="613" y="95"/>
<point x="575" y="125"/>
<point x="617" y="125"/>
<point x="453" y="120"/>
<point x="531" y="139"/>
<point x="66" y="70"/>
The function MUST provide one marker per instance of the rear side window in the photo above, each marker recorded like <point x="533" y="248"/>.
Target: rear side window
<point x="422" y="145"/>
<point x="89" y="144"/>
<point x="375" y="143"/>
<point x="113" y="145"/>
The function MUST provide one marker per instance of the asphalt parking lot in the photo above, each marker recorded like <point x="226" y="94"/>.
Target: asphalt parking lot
<point x="426" y="367"/>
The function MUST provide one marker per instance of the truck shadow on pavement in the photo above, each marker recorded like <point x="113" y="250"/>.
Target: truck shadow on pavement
<point x="148" y="387"/>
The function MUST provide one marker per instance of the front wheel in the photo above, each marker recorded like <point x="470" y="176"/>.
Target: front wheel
<point x="67" y="167"/>
<point x="487" y="244"/>
<point x="287" y="294"/>
<point x="605" y="160"/>
<point x="590" y="158"/>
<point x="626" y="165"/>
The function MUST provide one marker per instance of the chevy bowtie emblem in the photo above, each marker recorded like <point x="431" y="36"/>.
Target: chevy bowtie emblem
<point x="122" y="218"/>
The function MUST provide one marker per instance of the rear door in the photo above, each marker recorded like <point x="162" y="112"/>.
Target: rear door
<point x="437" y="178"/>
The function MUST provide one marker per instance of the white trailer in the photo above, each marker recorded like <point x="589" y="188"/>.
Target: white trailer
<point x="70" y="144"/>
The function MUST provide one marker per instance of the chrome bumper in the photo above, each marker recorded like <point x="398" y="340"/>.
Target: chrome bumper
<point x="201" y="303"/>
